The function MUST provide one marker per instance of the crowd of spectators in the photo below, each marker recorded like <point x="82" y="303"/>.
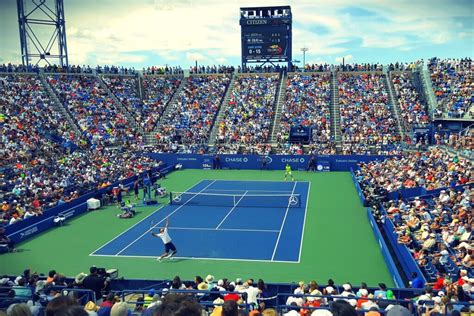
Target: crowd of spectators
<point x="219" y="69"/>
<point x="51" y="178"/>
<point x="262" y="69"/>
<point x="366" y="118"/>
<point x="411" y="66"/>
<point x="307" y="104"/>
<point x="462" y="142"/>
<point x="18" y="68"/>
<point x="452" y="85"/>
<point x="27" y="119"/>
<point x="158" y="92"/>
<point x="413" y="111"/>
<point x="115" y="70"/>
<point x="248" y="116"/>
<point x="431" y="170"/>
<point x="156" y="70"/>
<point x="100" y="120"/>
<point x="226" y="297"/>
<point x="313" y="68"/>
<point x="358" y="67"/>
<point x="186" y="127"/>
<point x="438" y="232"/>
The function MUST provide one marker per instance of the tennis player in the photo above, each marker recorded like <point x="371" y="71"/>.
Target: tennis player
<point x="288" y="172"/>
<point x="170" y="249"/>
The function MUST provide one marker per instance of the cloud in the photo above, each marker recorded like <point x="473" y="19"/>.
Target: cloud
<point x="180" y="31"/>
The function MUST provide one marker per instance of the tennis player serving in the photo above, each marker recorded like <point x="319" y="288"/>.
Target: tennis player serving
<point x="170" y="249"/>
<point x="288" y="172"/>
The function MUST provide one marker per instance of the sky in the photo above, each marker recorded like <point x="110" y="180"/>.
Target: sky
<point x="140" y="33"/>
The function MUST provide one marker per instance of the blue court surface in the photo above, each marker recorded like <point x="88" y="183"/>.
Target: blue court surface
<point x="223" y="220"/>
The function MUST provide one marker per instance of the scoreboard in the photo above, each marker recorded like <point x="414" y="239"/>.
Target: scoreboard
<point x="266" y="35"/>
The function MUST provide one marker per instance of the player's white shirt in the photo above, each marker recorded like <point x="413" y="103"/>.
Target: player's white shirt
<point x="165" y="237"/>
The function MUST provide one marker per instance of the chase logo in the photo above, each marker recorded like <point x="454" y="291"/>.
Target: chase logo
<point x="319" y="167"/>
<point x="294" y="160"/>
<point x="236" y="159"/>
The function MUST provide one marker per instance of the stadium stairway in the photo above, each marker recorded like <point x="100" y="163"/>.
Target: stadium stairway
<point x="220" y="114"/>
<point x="58" y="106"/>
<point x="279" y="101"/>
<point x="140" y="89"/>
<point x="171" y="104"/>
<point x="150" y="137"/>
<point x="335" y="113"/>
<point x="428" y="90"/>
<point x="120" y="106"/>
<point x="393" y="102"/>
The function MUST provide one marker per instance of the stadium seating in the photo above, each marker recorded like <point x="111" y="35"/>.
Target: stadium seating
<point x="248" y="117"/>
<point x="307" y="104"/>
<point x="99" y="118"/>
<point x="413" y="113"/>
<point x="452" y="85"/>
<point x="28" y="119"/>
<point x="437" y="230"/>
<point x="431" y="170"/>
<point x="187" y="125"/>
<point x="254" y="298"/>
<point x="367" y="122"/>
<point x="158" y="92"/>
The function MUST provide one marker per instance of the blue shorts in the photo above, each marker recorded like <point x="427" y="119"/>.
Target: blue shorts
<point x="169" y="246"/>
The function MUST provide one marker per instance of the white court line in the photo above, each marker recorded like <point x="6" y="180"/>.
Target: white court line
<point x="236" y="190"/>
<point x="199" y="258"/>
<point x="240" y="180"/>
<point x="122" y="233"/>
<point x="233" y="208"/>
<point x="139" y="222"/>
<point x="227" y="229"/>
<point x="283" y="223"/>
<point x="146" y="232"/>
<point x="304" y="221"/>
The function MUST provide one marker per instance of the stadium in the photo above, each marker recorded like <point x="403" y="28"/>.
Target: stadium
<point x="177" y="158"/>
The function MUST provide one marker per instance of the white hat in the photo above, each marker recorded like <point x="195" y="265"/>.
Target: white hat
<point x="220" y="282"/>
<point x="330" y="289"/>
<point x="346" y="287"/>
<point x="441" y="293"/>
<point x="209" y="278"/>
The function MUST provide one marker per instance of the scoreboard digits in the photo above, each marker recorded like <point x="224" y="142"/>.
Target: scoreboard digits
<point x="266" y="34"/>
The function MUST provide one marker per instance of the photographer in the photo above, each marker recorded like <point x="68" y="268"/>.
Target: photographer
<point x="96" y="283"/>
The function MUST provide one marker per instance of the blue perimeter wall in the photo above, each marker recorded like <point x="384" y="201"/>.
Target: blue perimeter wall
<point x="32" y="226"/>
<point x="275" y="162"/>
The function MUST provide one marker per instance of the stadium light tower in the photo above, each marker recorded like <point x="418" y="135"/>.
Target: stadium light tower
<point x="304" y="50"/>
<point x="37" y="19"/>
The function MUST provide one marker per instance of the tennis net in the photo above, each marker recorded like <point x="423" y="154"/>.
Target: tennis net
<point x="240" y="200"/>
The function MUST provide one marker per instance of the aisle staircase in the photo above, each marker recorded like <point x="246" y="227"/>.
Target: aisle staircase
<point x="280" y="102"/>
<point x="393" y="103"/>
<point x="58" y="106"/>
<point x="222" y="110"/>
<point x="335" y="113"/>
<point x="130" y="117"/>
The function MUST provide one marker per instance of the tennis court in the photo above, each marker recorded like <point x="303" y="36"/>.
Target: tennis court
<point x="223" y="220"/>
